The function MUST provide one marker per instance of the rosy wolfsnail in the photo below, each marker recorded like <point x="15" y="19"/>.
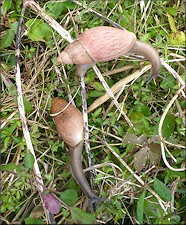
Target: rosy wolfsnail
<point x="69" y="124"/>
<point x="101" y="44"/>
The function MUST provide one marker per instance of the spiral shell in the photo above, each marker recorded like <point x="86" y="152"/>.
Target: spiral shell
<point x="69" y="123"/>
<point x="99" y="44"/>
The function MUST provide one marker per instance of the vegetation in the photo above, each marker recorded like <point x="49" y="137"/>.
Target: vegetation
<point x="128" y="167"/>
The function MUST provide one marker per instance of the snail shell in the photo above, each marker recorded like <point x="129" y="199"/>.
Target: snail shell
<point x="69" y="123"/>
<point x="98" y="44"/>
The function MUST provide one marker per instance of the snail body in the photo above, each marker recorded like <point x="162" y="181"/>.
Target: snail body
<point x="102" y="44"/>
<point x="69" y="124"/>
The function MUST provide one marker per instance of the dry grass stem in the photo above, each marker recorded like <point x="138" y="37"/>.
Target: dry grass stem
<point x="55" y="25"/>
<point x="162" y="143"/>
<point x="117" y="86"/>
<point x="111" y="95"/>
<point x="173" y="72"/>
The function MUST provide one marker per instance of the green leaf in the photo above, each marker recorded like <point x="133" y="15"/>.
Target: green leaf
<point x="69" y="196"/>
<point x="168" y="126"/>
<point x="7" y="39"/>
<point x="27" y="105"/>
<point x="167" y="83"/>
<point x="145" y="37"/>
<point x="29" y="160"/>
<point x="12" y="128"/>
<point x="14" y="26"/>
<point x="30" y="220"/>
<point x="57" y="8"/>
<point x="99" y="86"/>
<point x="152" y="208"/>
<point x="172" y="11"/>
<point x="7" y="5"/>
<point x="9" y="167"/>
<point x="18" y="5"/>
<point x="6" y="142"/>
<point x="97" y="113"/>
<point x="162" y="190"/>
<point x="46" y="30"/>
<point x="95" y="93"/>
<point x="143" y="108"/>
<point x="38" y="29"/>
<point x="171" y="23"/>
<point x="140" y="208"/>
<point x="120" y="131"/>
<point x="81" y="217"/>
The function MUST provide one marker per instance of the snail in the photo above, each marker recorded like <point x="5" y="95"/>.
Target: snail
<point x="70" y="126"/>
<point x="101" y="44"/>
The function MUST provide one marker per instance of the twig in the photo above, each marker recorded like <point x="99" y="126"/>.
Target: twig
<point x="21" y="104"/>
<point x="111" y="95"/>
<point x="21" y="108"/>
<point x="118" y="70"/>
<point x="160" y="129"/>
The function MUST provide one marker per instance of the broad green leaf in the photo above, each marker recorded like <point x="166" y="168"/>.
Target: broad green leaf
<point x="6" y="142"/>
<point x="97" y="113"/>
<point x="171" y="23"/>
<point x="162" y="190"/>
<point x="168" y="126"/>
<point x="29" y="160"/>
<point x="120" y="131"/>
<point x="136" y="117"/>
<point x="172" y="11"/>
<point x="99" y="86"/>
<point x="14" y="26"/>
<point x="81" y="217"/>
<point x="12" y="128"/>
<point x="143" y="108"/>
<point x="28" y="106"/>
<point x="69" y="196"/>
<point x="6" y="5"/>
<point x="145" y="37"/>
<point x="18" y="5"/>
<point x="58" y="8"/>
<point x="95" y="93"/>
<point x="46" y="30"/>
<point x="167" y="83"/>
<point x="140" y="208"/>
<point x="9" y="167"/>
<point x="7" y="39"/>
<point x="30" y="220"/>
<point x="38" y="29"/>
<point x="152" y="208"/>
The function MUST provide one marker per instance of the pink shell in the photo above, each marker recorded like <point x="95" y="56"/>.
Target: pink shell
<point x="99" y="44"/>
